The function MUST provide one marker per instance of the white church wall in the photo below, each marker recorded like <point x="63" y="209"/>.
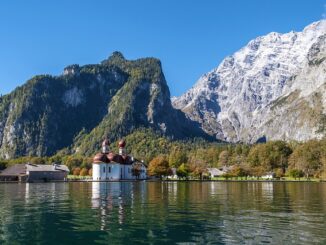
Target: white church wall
<point x="113" y="171"/>
<point x="96" y="171"/>
<point x="116" y="171"/>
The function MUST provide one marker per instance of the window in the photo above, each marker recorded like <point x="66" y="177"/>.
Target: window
<point x="109" y="169"/>
<point x="103" y="169"/>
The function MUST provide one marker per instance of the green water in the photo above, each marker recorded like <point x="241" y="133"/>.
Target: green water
<point x="163" y="213"/>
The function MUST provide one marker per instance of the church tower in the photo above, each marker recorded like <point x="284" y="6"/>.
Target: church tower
<point x="122" y="148"/>
<point x="105" y="146"/>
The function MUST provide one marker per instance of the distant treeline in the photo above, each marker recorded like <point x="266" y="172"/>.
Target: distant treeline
<point x="193" y="157"/>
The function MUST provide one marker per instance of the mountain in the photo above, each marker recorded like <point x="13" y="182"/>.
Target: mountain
<point x="76" y="110"/>
<point x="273" y="88"/>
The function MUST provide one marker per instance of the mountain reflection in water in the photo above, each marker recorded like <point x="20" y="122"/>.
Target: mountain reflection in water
<point x="163" y="213"/>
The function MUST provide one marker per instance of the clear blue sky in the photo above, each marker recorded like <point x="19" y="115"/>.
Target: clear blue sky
<point x="189" y="36"/>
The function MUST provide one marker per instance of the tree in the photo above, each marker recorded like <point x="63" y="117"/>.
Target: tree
<point x="159" y="167"/>
<point x="3" y="164"/>
<point x="273" y="154"/>
<point x="295" y="173"/>
<point x="73" y="161"/>
<point x="183" y="171"/>
<point x="278" y="153"/>
<point x="238" y="171"/>
<point x="224" y="158"/>
<point x="177" y="157"/>
<point x="37" y="160"/>
<point x="279" y="173"/>
<point x="198" y="167"/>
<point x="76" y="171"/>
<point x="87" y="163"/>
<point x="55" y="159"/>
<point x="90" y="172"/>
<point x="253" y="156"/>
<point x="83" y="172"/>
<point x="307" y="158"/>
<point x="257" y="171"/>
<point x="212" y="156"/>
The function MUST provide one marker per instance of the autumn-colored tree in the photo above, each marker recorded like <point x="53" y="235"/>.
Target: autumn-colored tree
<point x="198" y="167"/>
<point x="257" y="171"/>
<point x="307" y="158"/>
<point x="159" y="167"/>
<point x="224" y="158"/>
<point x="83" y="172"/>
<point x="279" y="172"/>
<point x="90" y="172"/>
<point x="76" y="171"/>
<point x="238" y="171"/>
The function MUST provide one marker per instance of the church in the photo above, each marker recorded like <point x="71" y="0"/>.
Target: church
<point x="110" y="166"/>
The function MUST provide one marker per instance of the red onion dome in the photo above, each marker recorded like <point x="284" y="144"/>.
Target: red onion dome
<point x="122" y="143"/>
<point x="106" y="142"/>
<point x="100" y="157"/>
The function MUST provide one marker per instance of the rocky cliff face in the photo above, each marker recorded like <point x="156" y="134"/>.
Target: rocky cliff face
<point x="79" y="108"/>
<point x="273" y="88"/>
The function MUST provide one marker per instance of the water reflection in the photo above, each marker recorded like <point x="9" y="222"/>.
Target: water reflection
<point x="163" y="213"/>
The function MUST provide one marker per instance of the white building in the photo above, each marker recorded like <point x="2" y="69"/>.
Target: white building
<point x="215" y="172"/>
<point x="110" y="166"/>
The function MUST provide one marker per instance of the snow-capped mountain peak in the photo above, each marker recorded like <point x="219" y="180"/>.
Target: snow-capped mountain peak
<point x="231" y="100"/>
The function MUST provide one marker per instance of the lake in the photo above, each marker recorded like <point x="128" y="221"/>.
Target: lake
<point x="163" y="213"/>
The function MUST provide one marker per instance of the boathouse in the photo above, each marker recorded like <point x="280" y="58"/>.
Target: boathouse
<point x="15" y="172"/>
<point x="38" y="172"/>
<point x="34" y="173"/>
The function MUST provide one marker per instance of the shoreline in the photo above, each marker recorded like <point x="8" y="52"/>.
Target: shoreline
<point x="154" y="180"/>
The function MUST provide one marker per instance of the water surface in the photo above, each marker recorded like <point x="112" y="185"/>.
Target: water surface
<point x="163" y="213"/>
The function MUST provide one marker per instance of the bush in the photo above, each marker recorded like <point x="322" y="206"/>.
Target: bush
<point x="76" y="171"/>
<point x="83" y="172"/>
<point x="295" y="173"/>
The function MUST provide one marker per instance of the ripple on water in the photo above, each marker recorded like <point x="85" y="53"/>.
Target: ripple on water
<point x="166" y="213"/>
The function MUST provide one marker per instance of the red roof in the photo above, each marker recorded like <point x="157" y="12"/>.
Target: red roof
<point x="100" y="157"/>
<point x="112" y="157"/>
